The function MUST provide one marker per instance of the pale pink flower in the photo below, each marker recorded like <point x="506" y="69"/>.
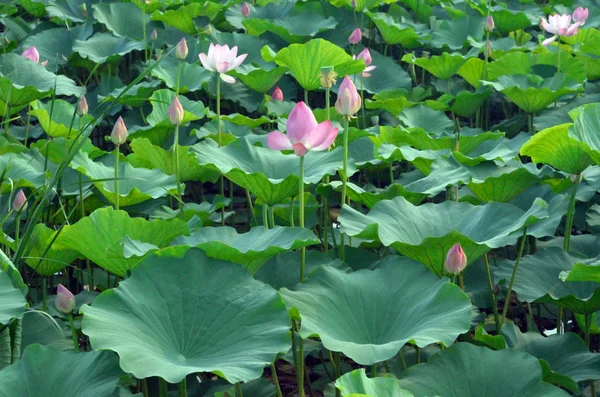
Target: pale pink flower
<point x="176" y="112"/>
<point x="245" y="10"/>
<point x="181" y="52"/>
<point x="365" y="55"/>
<point x="348" y="99"/>
<point x="488" y="26"/>
<point x="221" y="59"/>
<point x="355" y="36"/>
<point x="65" y="301"/>
<point x="82" y="107"/>
<point x="277" y="94"/>
<point x="154" y="35"/>
<point x="559" y="25"/>
<point x="32" y="54"/>
<point x="456" y="260"/>
<point x="20" y="202"/>
<point x="580" y="15"/>
<point x="119" y="132"/>
<point x="303" y="133"/>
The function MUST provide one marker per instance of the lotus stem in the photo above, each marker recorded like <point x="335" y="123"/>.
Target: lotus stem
<point x="163" y="388"/>
<point x="306" y="97"/>
<point x="177" y="170"/>
<point x="238" y="390"/>
<point x="374" y="370"/>
<point x="44" y="293"/>
<point x="220" y="138"/>
<point x="144" y="387"/>
<point x="298" y="353"/>
<point x="402" y="360"/>
<point x="251" y="207"/>
<point x="337" y="370"/>
<point x="276" y="380"/>
<point x="271" y="217"/>
<point x="144" y="30"/>
<point x="345" y="178"/>
<point x="570" y="215"/>
<point x="73" y="332"/>
<point x="17" y="227"/>
<point x="183" y="388"/>
<point x="301" y="209"/>
<point x="492" y="295"/>
<point x="362" y="97"/>
<point x="326" y="181"/>
<point x="117" y="177"/>
<point x="512" y="278"/>
<point x="265" y="216"/>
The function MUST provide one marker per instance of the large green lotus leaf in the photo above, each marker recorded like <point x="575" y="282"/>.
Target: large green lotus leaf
<point x="566" y="354"/>
<point x="389" y="75"/>
<point x="531" y="93"/>
<point x="394" y="32"/>
<point x="12" y="299"/>
<point x="54" y="259"/>
<point x="293" y="28"/>
<point x="421" y="116"/>
<point x="46" y="371"/>
<point x="305" y="61"/>
<point x="94" y="234"/>
<point x="183" y="17"/>
<point x="428" y="231"/>
<point x="191" y="78"/>
<point x="68" y="10"/>
<point x="555" y="147"/>
<point x="56" y="118"/>
<point x="39" y="327"/>
<point x="123" y="20"/>
<point x="267" y="10"/>
<point x="259" y="79"/>
<point x="394" y="101"/>
<point x="585" y="128"/>
<point x="466" y="103"/>
<point x="135" y="96"/>
<point x="179" y="315"/>
<point x="14" y="275"/>
<point x="560" y="115"/>
<point x="370" y="195"/>
<point x="356" y="382"/>
<point x="538" y="280"/>
<point x="502" y="149"/>
<point x="507" y="21"/>
<point x="251" y="249"/>
<point x="25" y="169"/>
<point x="161" y="100"/>
<point x="441" y="66"/>
<point x="266" y="173"/>
<point x="102" y="47"/>
<point x="513" y="63"/>
<point x="446" y="374"/>
<point x="581" y="272"/>
<point x="455" y="33"/>
<point x="421" y="159"/>
<point x="348" y="312"/>
<point x="22" y="81"/>
<point x="136" y="185"/>
<point x="472" y="71"/>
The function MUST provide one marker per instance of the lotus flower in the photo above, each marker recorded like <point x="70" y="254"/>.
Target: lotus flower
<point x="176" y="112"/>
<point x="65" y="301"/>
<point x="488" y="26"/>
<point x="355" y="36"/>
<point x="20" y="202"/>
<point x="580" y="15"/>
<point x="277" y="94"/>
<point x="221" y="59"/>
<point x="348" y="100"/>
<point x="456" y="260"/>
<point x="154" y="35"/>
<point x="181" y="52"/>
<point x="365" y="55"/>
<point x="82" y="107"/>
<point x="119" y="132"/>
<point x="32" y="54"/>
<point x="245" y="10"/>
<point x="559" y="25"/>
<point x="303" y="133"/>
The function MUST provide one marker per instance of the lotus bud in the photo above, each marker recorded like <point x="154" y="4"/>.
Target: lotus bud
<point x="176" y="112"/>
<point x="277" y="94"/>
<point x="489" y="24"/>
<point x="456" y="260"/>
<point x="20" y="202"/>
<point x="182" y="50"/>
<point x="581" y="15"/>
<point x="32" y="54"/>
<point x="353" y="3"/>
<point x="348" y="100"/>
<point x="154" y="35"/>
<point x="328" y="76"/>
<point x="489" y="49"/>
<point x="82" y="106"/>
<point x="119" y="132"/>
<point x="245" y="10"/>
<point x="65" y="301"/>
<point x="355" y="36"/>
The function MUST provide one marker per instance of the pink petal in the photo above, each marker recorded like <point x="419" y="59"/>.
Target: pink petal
<point x="227" y="78"/>
<point x="278" y="141"/>
<point x="547" y="26"/>
<point x="232" y="54"/>
<point x="573" y="29"/>
<point x="238" y="61"/>
<point x="300" y="123"/>
<point x="328" y="137"/>
<point x="370" y="68"/>
<point x="223" y="67"/>
<point x="205" y="62"/>
<point x="549" y="41"/>
<point x="299" y="149"/>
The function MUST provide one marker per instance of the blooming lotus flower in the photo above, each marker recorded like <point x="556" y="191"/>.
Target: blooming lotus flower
<point x="488" y="26"/>
<point x="303" y="133"/>
<point x="245" y="10"/>
<point x="82" y="107"/>
<point x="20" y="202"/>
<point x="32" y="54"/>
<point x="181" y="52"/>
<point x="355" y="36"/>
<point x="65" y="301"/>
<point x="559" y="25"/>
<point x="154" y="35"/>
<point x="580" y="15"/>
<point x="119" y="132"/>
<point x="277" y="94"/>
<point x="365" y="55"/>
<point x="221" y="59"/>
<point x="176" y="112"/>
<point x="348" y="100"/>
<point x="456" y="260"/>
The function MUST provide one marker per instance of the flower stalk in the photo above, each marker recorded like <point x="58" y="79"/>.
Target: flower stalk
<point x="571" y="213"/>
<point x="512" y="277"/>
<point x="492" y="294"/>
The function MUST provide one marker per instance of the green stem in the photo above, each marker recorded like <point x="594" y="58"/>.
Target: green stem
<point x="265" y="216"/>
<point x="220" y="141"/>
<point x="530" y="123"/>
<point x="144" y="387"/>
<point x="183" y="388"/>
<point x="87" y="261"/>
<point x="117" y="177"/>
<point x="306" y="97"/>
<point x="559" y="321"/>
<point x="588" y="327"/>
<point x="271" y="218"/>
<point x="17" y="227"/>
<point x="461" y="281"/>
<point x="177" y="169"/>
<point x="338" y="370"/>
<point x="558" y="63"/>
<point x="512" y="277"/>
<point x="28" y="124"/>
<point x="326" y="181"/>
<point x="402" y="360"/>
<point x="492" y="295"/>
<point x="570" y="215"/>
<point x="73" y="332"/>
<point x="144" y="29"/>
<point x="44" y="293"/>
<point x="345" y="178"/>
<point x="418" y="350"/>
<point x="163" y="388"/>
<point x="238" y="390"/>
<point x="374" y="370"/>
<point x="299" y="358"/>
<point x="251" y="207"/>
<point x="301" y="209"/>
<point x="362" y="103"/>
<point x="276" y="380"/>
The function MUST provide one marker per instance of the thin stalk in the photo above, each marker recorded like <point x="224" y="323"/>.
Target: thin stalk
<point x="345" y="178"/>
<point x="87" y="261"/>
<point x="402" y="360"/>
<point x="220" y="138"/>
<point x="177" y="167"/>
<point x="338" y="370"/>
<point x="251" y="207"/>
<point x="17" y="227"/>
<point x="271" y="218"/>
<point x="558" y="62"/>
<point x="530" y="122"/>
<point x="418" y="350"/>
<point x="276" y="380"/>
<point x="265" y="215"/>
<point x="306" y="97"/>
<point x="301" y="209"/>
<point x="163" y="388"/>
<point x="292" y="204"/>
<point x="362" y="97"/>
<point x="144" y="30"/>
<point x="559" y="321"/>
<point x="44" y="293"/>
<point x="183" y="388"/>
<point x="117" y="177"/>
<point x="238" y="390"/>
<point x="298" y="353"/>
<point x="570" y="215"/>
<point x="28" y="124"/>
<point x="513" y="276"/>
<point x="374" y="370"/>
<point x="144" y="387"/>
<point x="326" y="181"/>
<point x="492" y="295"/>
<point x="73" y="332"/>
<point x="461" y="281"/>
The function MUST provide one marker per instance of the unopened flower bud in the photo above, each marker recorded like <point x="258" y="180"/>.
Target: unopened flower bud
<point x="82" y="106"/>
<point x="489" y="24"/>
<point x="20" y="202"/>
<point x="245" y="10"/>
<point x="154" y="35"/>
<point x="119" y="132"/>
<point x="348" y="100"/>
<point x="182" y="50"/>
<point x="176" y="112"/>
<point x="355" y="36"/>
<point x="65" y="301"/>
<point x="277" y="94"/>
<point x="456" y="260"/>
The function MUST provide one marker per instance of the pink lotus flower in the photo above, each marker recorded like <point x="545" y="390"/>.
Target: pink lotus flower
<point x="580" y="15"/>
<point x="65" y="301"/>
<point x="32" y="54"/>
<point x="82" y="107"/>
<point x="559" y="25"/>
<point x="488" y="26"/>
<point x="348" y="100"/>
<point x="20" y="202"/>
<point x="181" y="52"/>
<point x="221" y="59"/>
<point x="154" y="35"/>
<point x="456" y="260"/>
<point x="245" y="10"/>
<point x="277" y="94"/>
<point x="355" y="36"/>
<point x="176" y="112"/>
<point x="365" y="55"/>
<point x="303" y="133"/>
<point x="119" y="132"/>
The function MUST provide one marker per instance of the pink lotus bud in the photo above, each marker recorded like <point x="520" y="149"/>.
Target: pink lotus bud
<point x="65" y="301"/>
<point x="20" y="202"/>
<point x="44" y="63"/>
<point x="348" y="100"/>
<point x="456" y="260"/>
<point x="581" y="15"/>
<point x="355" y="37"/>
<point x="32" y="54"/>
<point x="176" y="112"/>
<point x="245" y="10"/>
<point x="82" y="107"/>
<point x="182" y="50"/>
<point x="277" y="94"/>
<point x="489" y="24"/>
<point x="488" y="48"/>
<point x="365" y="55"/>
<point x="119" y="132"/>
<point x="154" y="35"/>
<point x="353" y="3"/>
